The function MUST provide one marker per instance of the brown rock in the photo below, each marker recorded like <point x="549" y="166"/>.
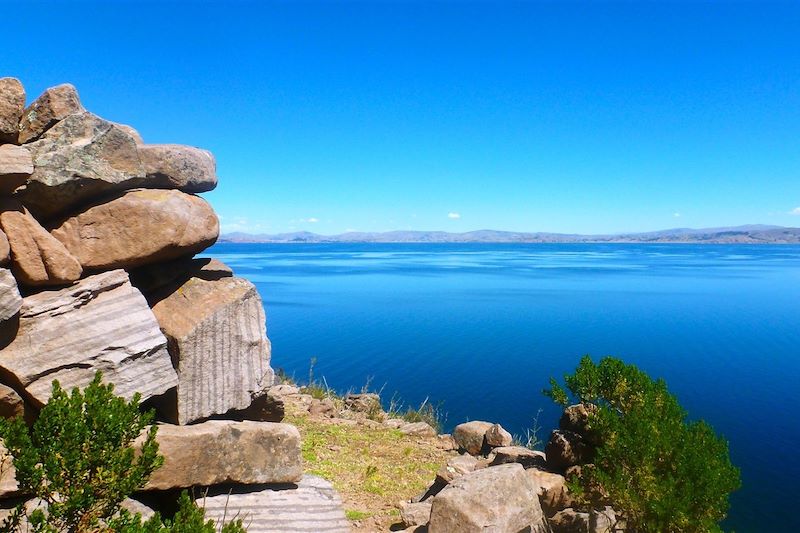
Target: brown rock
<point x="569" y="521"/>
<point x="52" y="106"/>
<point x="323" y="408"/>
<point x="11" y="404"/>
<point x="518" y="454"/>
<point x="455" y="467"/>
<point x="16" y="166"/>
<point x="418" y="429"/>
<point x="496" y="436"/>
<point x="363" y="403"/>
<point x="5" y="249"/>
<point x="500" y="498"/>
<point x="265" y="407"/>
<point x="139" y="227"/>
<point x="78" y="160"/>
<point x="37" y="258"/>
<point x="553" y="492"/>
<point x="221" y="451"/>
<point x="576" y="417"/>
<point x="10" y="300"/>
<point x="217" y="336"/>
<point x="565" y="449"/>
<point x="446" y="442"/>
<point x="100" y="323"/>
<point x="470" y="436"/>
<point x="130" y="131"/>
<point x="8" y="475"/>
<point x="415" y="514"/>
<point x="174" y="166"/>
<point x="12" y="103"/>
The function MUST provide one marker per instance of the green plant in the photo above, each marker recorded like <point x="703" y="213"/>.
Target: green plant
<point x="79" y="460"/>
<point x="426" y="412"/>
<point x="662" y="472"/>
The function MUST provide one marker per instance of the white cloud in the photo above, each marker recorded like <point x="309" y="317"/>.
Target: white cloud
<point x="313" y="220"/>
<point x="795" y="211"/>
<point x="676" y="215"/>
<point x="453" y="216"/>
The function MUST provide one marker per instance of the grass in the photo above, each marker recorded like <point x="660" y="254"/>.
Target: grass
<point x="372" y="468"/>
<point x="426" y="412"/>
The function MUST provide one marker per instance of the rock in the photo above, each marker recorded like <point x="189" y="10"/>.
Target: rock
<point x="501" y="499"/>
<point x="12" y="103"/>
<point x="265" y="407"/>
<point x="395" y="423"/>
<point x="496" y="436"/>
<point x="16" y="166"/>
<point x="139" y="227"/>
<point x="80" y="159"/>
<point x="363" y="403"/>
<point x="553" y="492"/>
<point x="8" y="479"/>
<point x="37" y="258"/>
<point x="470" y="436"/>
<point x="565" y="449"/>
<point x="323" y="408"/>
<point x="575" y="418"/>
<point x="217" y="337"/>
<point x="173" y="166"/>
<point x="11" y="403"/>
<point x="5" y="249"/>
<point x="446" y="442"/>
<point x="10" y="300"/>
<point x="131" y="131"/>
<point x="312" y="505"/>
<point x="415" y="514"/>
<point x="52" y="106"/>
<point x="455" y="467"/>
<point x="569" y="521"/>
<point x="518" y="454"/>
<point x="100" y="323"/>
<point x="222" y="451"/>
<point x="418" y="429"/>
<point x="284" y="389"/>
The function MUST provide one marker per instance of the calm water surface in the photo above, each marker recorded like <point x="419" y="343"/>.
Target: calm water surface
<point x="481" y="328"/>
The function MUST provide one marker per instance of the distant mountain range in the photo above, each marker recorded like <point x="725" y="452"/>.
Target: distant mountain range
<point x="750" y="234"/>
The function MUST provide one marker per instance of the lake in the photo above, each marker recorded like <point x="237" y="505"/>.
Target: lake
<point x="481" y="327"/>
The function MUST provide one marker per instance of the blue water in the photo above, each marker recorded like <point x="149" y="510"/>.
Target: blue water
<point x="481" y="328"/>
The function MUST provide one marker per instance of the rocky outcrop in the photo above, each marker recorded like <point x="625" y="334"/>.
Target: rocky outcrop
<point x="52" y="106"/>
<point x="37" y="258"/>
<point x="100" y="323"/>
<point x="500" y="498"/>
<point x="222" y="451"/>
<point x="552" y="490"/>
<point x="496" y="436"/>
<point x="518" y="454"/>
<point x="16" y="166"/>
<point x="470" y="436"/>
<point x="12" y="103"/>
<point x="310" y="505"/>
<point x="139" y="227"/>
<point x="565" y="449"/>
<point x="174" y="166"/>
<point x="215" y="326"/>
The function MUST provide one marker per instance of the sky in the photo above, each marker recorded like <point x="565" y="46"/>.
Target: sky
<point x="576" y="117"/>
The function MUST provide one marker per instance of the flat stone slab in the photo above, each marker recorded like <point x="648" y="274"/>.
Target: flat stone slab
<point x="222" y="452"/>
<point x="310" y="506"/>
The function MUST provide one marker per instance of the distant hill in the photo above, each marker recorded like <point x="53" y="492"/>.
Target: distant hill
<point x="749" y="234"/>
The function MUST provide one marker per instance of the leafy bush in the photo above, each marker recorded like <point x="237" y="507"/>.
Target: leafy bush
<point x="79" y="460"/>
<point x="662" y="472"/>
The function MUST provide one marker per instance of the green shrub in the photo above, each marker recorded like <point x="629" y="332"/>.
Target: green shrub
<point x="78" y="458"/>
<point x="662" y="472"/>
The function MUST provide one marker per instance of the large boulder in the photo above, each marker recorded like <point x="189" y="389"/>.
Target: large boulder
<point x="565" y="449"/>
<point x="16" y="166"/>
<point x="216" y="329"/>
<point x="37" y="258"/>
<point x="174" y="166"/>
<point x="500" y="499"/>
<point x="456" y="466"/>
<point x="222" y="451"/>
<point x="496" y="436"/>
<point x="470" y="436"/>
<point x="12" y="103"/>
<point x="310" y="505"/>
<point x="518" y="454"/>
<point x="79" y="159"/>
<point x="100" y="323"/>
<point x="52" y="106"/>
<point x="139" y="227"/>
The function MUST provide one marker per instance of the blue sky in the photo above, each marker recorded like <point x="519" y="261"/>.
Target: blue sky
<point x="572" y="117"/>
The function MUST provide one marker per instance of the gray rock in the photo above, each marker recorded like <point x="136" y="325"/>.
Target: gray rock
<point x="395" y="423"/>
<point x="565" y="449"/>
<point x="518" y="454"/>
<point x="455" y="467"/>
<point x="311" y="506"/>
<point x="415" y="514"/>
<point x="10" y="300"/>
<point x="418" y="429"/>
<point x="81" y="158"/>
<point x="324" y="408"/>
<point x="266" y="406"/>
<point x="16" y="166"/>
<point x="5" y="249"/>
<point x="216" y="329"/>
<point x="99" y="323"/>
<point x="497" y="499"/>
<point x="496" y="436"/>
<point x="52" y="106"/>
<point x="470" y="436"/>
<point x="362" y="403"/>
<point x="223" y="451"/>
<point x="131" y="131"/>
<point x="552" y="490"/>
<point x="569" y="521"/>
<point x="12" y="103"/>
<point x="8" y="479"/>
<point x="174" y="166"/>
